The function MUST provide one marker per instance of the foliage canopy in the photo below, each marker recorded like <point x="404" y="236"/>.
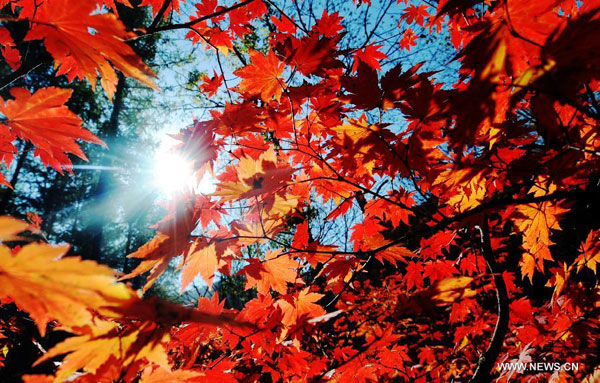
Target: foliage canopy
<point x="475" y="232"/>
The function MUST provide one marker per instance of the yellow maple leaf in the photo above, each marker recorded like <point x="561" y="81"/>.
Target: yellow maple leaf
<point x="451" y="289"/>
<point x="536" y="221"/>
<point x="50" y="287"/>
<point x="468" y="185"/>
<point x="589" y="254"/>
<point x="162" y="375"/>
<point x="10" y="227"/>
<point x="264" y="175"/>
<point x="89" y="352"/>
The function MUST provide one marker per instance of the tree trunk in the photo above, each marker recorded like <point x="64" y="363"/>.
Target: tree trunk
<point x="7" y="193"/>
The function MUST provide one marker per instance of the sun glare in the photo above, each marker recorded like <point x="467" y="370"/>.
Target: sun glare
<point x="172" y="173"/>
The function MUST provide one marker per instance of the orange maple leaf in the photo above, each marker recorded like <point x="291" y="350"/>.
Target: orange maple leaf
<point x="72" y="291"/>
<point x="262" y="76"/>
<point x="274" y="272"/>
<point x="83" y="42"/>
<point x="202" y="259"/>
<point x="172" y="239"/>
<point x="210" y="85"/>
<point x="43" y="119"/>
<point x="255" y="177"/>
<point x="300" y="307"/>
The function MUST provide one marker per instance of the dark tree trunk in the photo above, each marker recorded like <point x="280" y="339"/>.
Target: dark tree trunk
<point x="7" y="192"/>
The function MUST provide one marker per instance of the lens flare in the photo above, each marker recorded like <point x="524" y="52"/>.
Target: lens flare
<point x="172" y="172"/>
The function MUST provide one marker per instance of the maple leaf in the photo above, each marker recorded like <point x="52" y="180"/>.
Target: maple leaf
<point x="328" y="25"/>
<point x="284" y="25"/>
<point x="43" y="119"/>
<point x="100" y="341"/>
<point x="471" y="184"/>
<point x="157" y="253"/>
<point x="414" y="275"/>
<point x="275" y="272"/>
<point x="415" y="14"/>
<point x="361" y="137"/>
<point x="302" y="236"/>
<point x="173" y="6"/>
<point x="313" y="54"/>
<point x="160" y="375"/>
<point x="535" y="222"/>
<point x="363" y="232"/>
<point x="370" y="55"/>
<point x="448" y="290"/>
<point x="363" y="90"/>
<point x="426" y="355"/>
<point x="222" y="373"/>
<point x="50" y="287"/>
<point x="560" y="276"/>
<point x="90" y="351"/>
<point x="257" y="231"/>
<point x="201" y="260"/>
<point x="211" y="85"/>
<point x="221" y="39"/>
<point x="255" y="177"/>
<point x="197" y="332"/>
<point x="392" y="254"/>
<point x="10" y="227"/>
<point x="9" y="50"/>
<point x="408" y="40"/>
<point x="300" y="307"/>
<point x="110" y="4"/>
<point x="172" y="239"/>
<point x="589" y="254"/>
<point x="262" y="76"/>
<point x="83" y="42"/>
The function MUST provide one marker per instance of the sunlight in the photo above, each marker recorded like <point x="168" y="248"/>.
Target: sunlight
<point x="207" y="184"/>
<point x="172" y="173"/>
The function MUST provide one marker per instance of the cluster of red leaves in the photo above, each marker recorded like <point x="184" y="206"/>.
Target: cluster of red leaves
<point x="432" y="286"/>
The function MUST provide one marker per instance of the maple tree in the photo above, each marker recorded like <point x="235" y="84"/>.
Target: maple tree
<point x="460" y="198"/>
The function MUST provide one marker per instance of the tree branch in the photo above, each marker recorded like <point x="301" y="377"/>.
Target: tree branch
<point x="159" y="15"/>
<point x="488" y="358"/>
<point x="22" y="71"/>
<point x="191" y="23"/>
